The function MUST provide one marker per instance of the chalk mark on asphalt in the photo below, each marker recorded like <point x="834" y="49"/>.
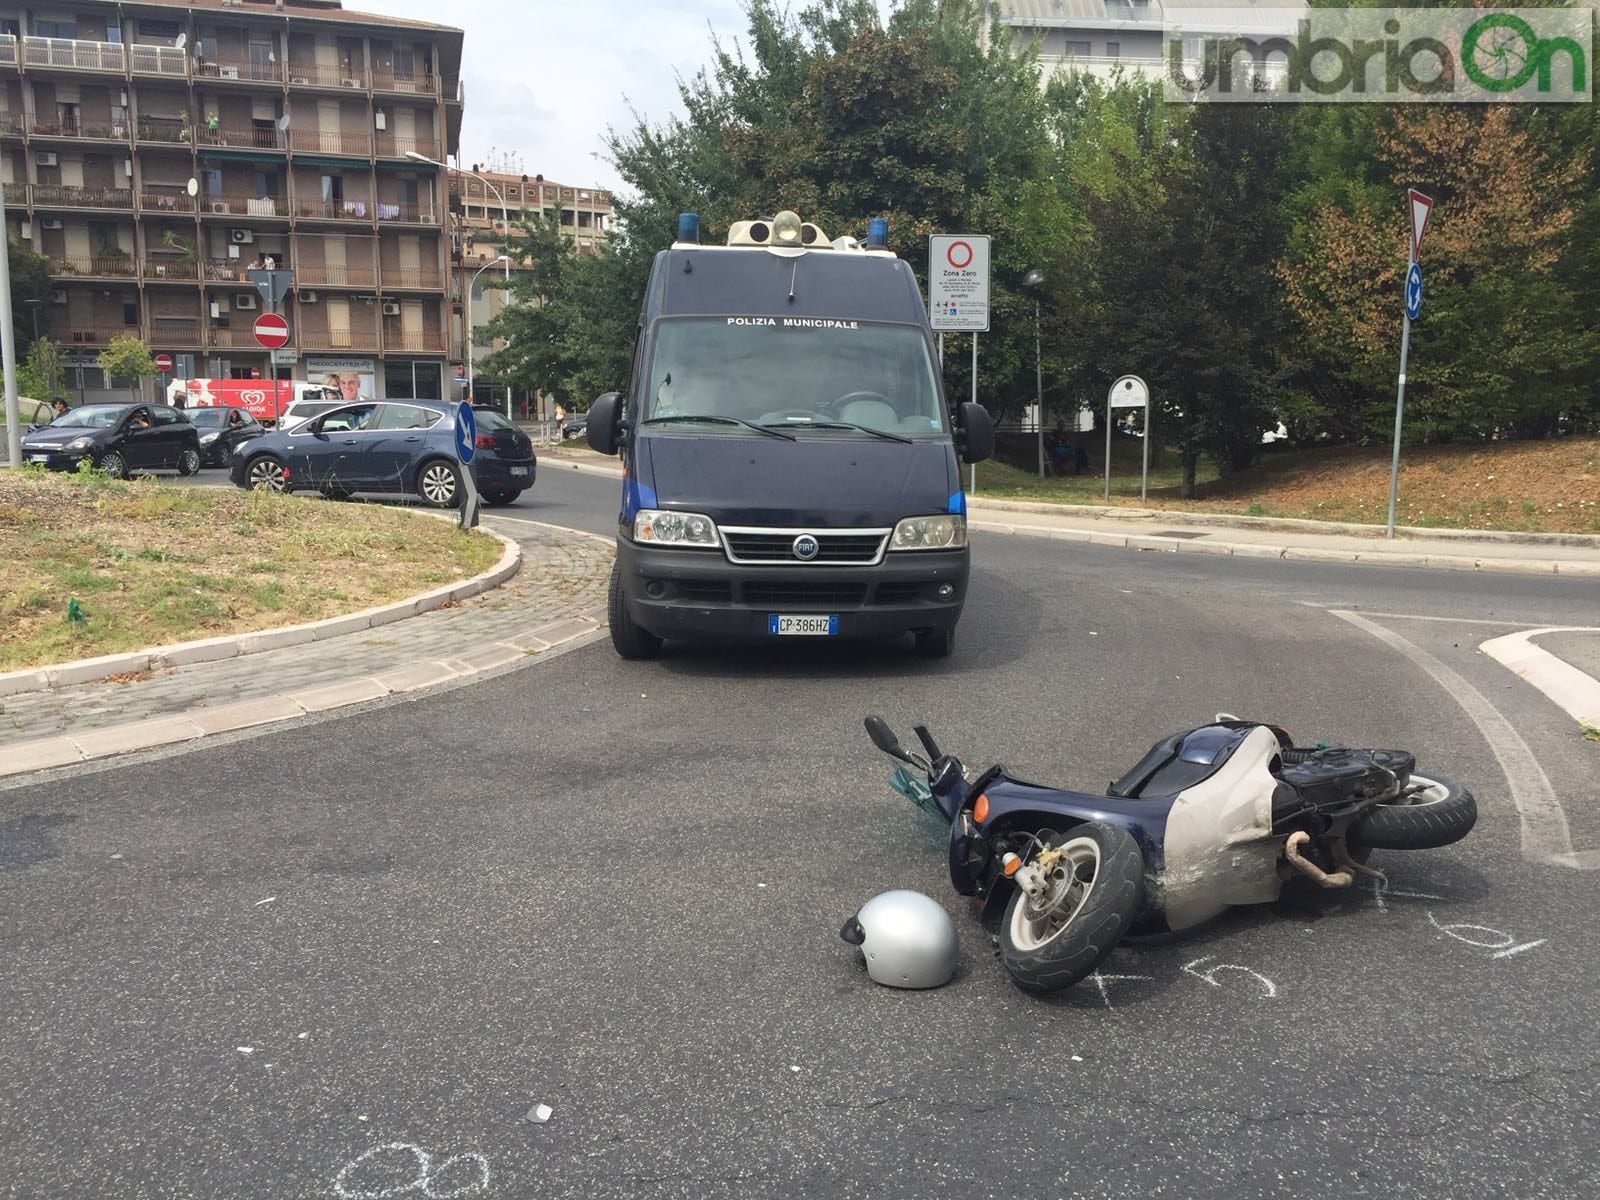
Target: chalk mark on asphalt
<point x="1546" y="836"/>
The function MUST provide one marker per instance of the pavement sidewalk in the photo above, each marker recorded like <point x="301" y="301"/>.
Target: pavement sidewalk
<point x="1248" y="537"/>
<point x="558" y="597"/>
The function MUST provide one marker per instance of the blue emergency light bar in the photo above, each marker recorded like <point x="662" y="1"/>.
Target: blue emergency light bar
<point x="878" y="233"/>
<point x="688" y="227"/>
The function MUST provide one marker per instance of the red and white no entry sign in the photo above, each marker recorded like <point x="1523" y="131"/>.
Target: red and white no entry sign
<point x="163" y="362"/>
<point x="271" y="330"/>
<point x="959" y="255"/>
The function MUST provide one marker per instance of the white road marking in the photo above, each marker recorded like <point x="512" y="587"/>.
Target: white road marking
<point x="1562" y="682"/>
<point x="1394" y="616"/>
<point x="1545" y="834"/>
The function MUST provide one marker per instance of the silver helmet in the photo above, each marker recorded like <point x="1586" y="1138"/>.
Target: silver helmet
<point x="908" y="939"/>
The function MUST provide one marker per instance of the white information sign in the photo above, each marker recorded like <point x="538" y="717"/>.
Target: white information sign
<point x="958" y="282"/>
<point x="1129" y="392"/>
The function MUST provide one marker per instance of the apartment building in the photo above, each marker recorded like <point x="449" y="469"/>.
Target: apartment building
<point x="479" y="234"/>
<point x="1103" y="37"/>
<point x="153" y="152"/>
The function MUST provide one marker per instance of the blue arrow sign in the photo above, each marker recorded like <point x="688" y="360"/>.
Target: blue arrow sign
<point x="467" y="432"/>
<point x="1413" y="291"/>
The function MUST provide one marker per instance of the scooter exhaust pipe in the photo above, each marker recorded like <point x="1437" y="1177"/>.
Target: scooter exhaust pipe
<point x="1291" y="851"/>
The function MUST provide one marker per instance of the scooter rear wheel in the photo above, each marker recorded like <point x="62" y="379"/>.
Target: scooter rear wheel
<point x="1440" y="813"/>
<point x="1101" y="880"/>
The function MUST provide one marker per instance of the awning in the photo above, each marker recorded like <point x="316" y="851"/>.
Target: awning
<point x="237" y="155"/>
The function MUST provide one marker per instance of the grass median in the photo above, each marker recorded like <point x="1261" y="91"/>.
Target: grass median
<point x="96" y="566"/>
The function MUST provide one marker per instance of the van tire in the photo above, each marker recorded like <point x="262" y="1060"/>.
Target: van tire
<point x="629" y="640"/>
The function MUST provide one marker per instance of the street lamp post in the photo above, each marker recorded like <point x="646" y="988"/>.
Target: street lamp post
<point x="505" y="218"/>
<point x="8" y="354"/>
<point x="469" y="338"/>
<point x="1032" y="280"/>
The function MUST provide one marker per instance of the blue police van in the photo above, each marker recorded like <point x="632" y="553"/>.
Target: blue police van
<point x="790" y="456"/>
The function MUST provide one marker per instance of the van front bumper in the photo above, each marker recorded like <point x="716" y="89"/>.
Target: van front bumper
<point x="699" y="593"/>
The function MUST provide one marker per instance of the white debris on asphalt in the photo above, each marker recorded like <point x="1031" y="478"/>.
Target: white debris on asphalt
<point x="247" y="1049"/>
<point x="540" y="1113"/>
<point x="268" y="900"/>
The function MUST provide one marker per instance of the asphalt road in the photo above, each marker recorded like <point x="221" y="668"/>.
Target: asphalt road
<point x="350" y="958"/>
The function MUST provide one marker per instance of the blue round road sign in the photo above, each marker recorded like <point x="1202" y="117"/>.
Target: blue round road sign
<point x="466" y="432"/>
<point x="1414" y="291"/>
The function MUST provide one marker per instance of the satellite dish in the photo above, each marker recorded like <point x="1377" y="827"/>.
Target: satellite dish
<point x="183" y="40"/>
<point x="283" y="123"/>
<point x="194" y="186"/>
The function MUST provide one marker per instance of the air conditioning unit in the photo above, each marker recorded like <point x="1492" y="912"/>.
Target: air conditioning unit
<point x="227" y="72"/>
<point x="391" y="309"/>
<point x="59" y="296"/>
<point x="46" y="158"/>
<point x="301" y="79"/>
<point x="219" y="206"/>
<point x="244" y="300"/>
<point x="309" y="298"/>
<point x="50" y="223"/>
<point x="241" y="237"/>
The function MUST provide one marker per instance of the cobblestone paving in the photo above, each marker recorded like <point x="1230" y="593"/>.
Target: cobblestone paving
<point x="563" y="575"/>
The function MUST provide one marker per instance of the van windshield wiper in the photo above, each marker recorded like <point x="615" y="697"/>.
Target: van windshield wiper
<point x="718" y="420"/>
<point x="893" y="437"/>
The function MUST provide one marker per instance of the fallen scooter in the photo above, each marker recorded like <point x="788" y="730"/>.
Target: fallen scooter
<point x="1214" y="817"/>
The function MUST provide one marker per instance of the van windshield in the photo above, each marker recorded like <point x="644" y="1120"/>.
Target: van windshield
<point x="797" y="374"/>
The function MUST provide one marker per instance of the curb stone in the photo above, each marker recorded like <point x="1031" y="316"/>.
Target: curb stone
<point x="160" y="658"/>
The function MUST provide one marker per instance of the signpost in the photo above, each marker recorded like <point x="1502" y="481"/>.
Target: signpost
<point x="1419" y="208"/>
<point x="271" y="331"/>
<point x="958" y="294"/>
<point x="1129" y="392"/>
<point x="466" y="448"/>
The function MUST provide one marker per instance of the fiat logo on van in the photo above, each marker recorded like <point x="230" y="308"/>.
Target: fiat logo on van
<point x="805" y="547"/>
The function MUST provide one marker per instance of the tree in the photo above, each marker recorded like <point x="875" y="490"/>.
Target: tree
<point x="39" y="376"/>
<point x="30" y="294"/>
<point x="126" y="357"/>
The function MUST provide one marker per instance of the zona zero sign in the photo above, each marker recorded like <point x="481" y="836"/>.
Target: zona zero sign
<point x="271" y="330"/>
<point x="958" y="282"/>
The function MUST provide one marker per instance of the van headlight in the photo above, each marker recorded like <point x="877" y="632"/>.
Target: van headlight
<point x="654" y="527"/>
<point x="930" y="533"/>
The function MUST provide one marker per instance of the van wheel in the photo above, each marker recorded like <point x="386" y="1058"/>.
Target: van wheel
<point x="935" y="643"/>
<point x="630" y="641"/>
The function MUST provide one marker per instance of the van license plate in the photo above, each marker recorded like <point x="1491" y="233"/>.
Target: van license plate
<point x="519" y="470"/>
<point x="788" y="625"/>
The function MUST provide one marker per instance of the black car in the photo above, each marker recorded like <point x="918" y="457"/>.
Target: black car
<point x="222" y="428"/>
<point x="388" y="446"/>
<point x="120" y="439"/>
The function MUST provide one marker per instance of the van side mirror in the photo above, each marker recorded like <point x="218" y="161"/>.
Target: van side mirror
<point x="976" y="432"/>
<point x="603" y="431"/>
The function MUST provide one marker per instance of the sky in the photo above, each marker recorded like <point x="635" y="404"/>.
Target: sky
<point x="545" y="78"/>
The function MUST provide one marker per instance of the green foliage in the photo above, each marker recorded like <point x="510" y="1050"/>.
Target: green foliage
<point x="129" y="359"/>
<point x="30" y="294"/>
<point x="40" y="375"/>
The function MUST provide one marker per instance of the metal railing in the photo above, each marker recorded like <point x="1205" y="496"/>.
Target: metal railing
<point x="414" y="341"/>
<point x="169" y="131"/>
<point x="411" y="278"/>
<point x="74" y="53"/>
<point x="11" y="124"/>
<point x="79" y="129"/>
<point x="249" y="72"/>
<point x="99" y="335"/>
<point x="227" y="270"/>
<point x="312" y="75"/>
<point x="356" y="336"/>
<point x="231" y="336"/>
<point x="165" y="331"/>
<point x="324" y="276"/>
<point x="159" y="60"/>
<point x="333" y="210"/>
<point x="159" y="202"/>
<point x="260" y="139"/>
<point x="418" y="85"/>
<point x="8" y="49"/>
<point x="316" y="141"/>
<point x="93" y="265"/>
<point x="409" y="214"/>
<point x="50" y="195"/>
<point x="244" y="206"/>
<point x="173" y="268"/>
<point x="391" y="146"/>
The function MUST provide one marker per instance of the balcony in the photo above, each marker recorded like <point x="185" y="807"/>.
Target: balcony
<point x="8" y="50"/>
<point x="235" y="337"/>
<point x="56" y="196"/>
<point x="257" y="139"/>
<point x="171" y="332"/>
<point x="411" y="279"/>
<point x="229" y="270"/>
<point x="347" y="276"/>
<point x="244" y="206"/>
<point x="160" y="60"/>
<point x="315" y="141"/>
<point x="171" y="268"/>
<point x="11" y="124"/>
<point x="78" y="130"/>
<point x="74" y="54"/>
<point x="244" y="72"/>
<point x="415" y="341"/>
<point x="350" y="78"/>
<point x="167" y="131"/>
<point x="408" y="214"/>
<point x="166" y="202"/>
<point x="93" y="266"/>
<point x="391" y="146"/>
<point x="334" y="210"/>
<point x="410" y="85"/>
<point x="99" y="335"/>
<point x="357" y="335"/>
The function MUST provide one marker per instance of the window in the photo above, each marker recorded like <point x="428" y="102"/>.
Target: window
<point x="114" y="33"/>
<point x="1079" y="49"/>
<point x="477" y="287"/>
<point x="266" y="184"/>
<point x="45" y="27"/>
<point x="333" y="187"/>
<point x="130" y="312"/>
<point x="405" y="63"/>
<point x="407" y="416"/>
<point x="1113" y="49"/>
<point x="167" y="416"/>
<point x="413" y="380"/>
<point x="156" y="30"/>
<point x="348" y="419"/>
<point x="408" y="190"/>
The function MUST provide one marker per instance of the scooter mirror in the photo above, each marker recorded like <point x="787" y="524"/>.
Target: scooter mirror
<point x="884" y="739"/>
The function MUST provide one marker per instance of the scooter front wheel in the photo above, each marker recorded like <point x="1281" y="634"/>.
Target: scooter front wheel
<point x="1094" y="882"/>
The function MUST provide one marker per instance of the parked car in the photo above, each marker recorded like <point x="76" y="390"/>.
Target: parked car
<point x="221" y="429"/>
<point x="302" y="411"/>
<point x="387" y="446"/>
<point x="30" y="413"/>
<point x="574" y="427"/>
<point x="120" y="439"/>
